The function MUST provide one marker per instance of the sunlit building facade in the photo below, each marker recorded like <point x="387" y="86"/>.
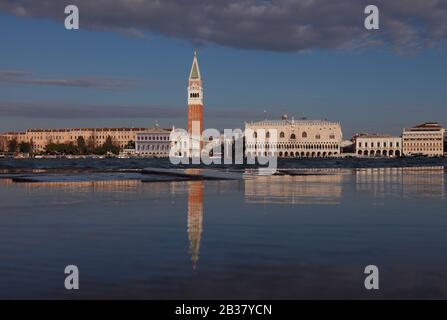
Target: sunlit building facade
<point x="293" y="138"/>
<point x="426" y="139"/>
<point x="154" y="142"/>
<point x="40" y="138"/>
<point x="375" y="145"/>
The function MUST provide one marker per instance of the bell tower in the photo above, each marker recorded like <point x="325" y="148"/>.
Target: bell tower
<point x="195" y="98"/>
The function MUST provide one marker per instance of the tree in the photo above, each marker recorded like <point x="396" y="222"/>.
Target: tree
<point x="25" y="147"/>
<point x="61" y="148"/>
<point x="90" y="148"/>
<point x="12" y="145"/>
<point x="81" y="145"/>
<point x="109" y="146"/>
<point x="130" y="145"/>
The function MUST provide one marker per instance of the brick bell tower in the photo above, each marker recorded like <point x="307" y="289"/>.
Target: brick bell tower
<point x="195" y="102"/>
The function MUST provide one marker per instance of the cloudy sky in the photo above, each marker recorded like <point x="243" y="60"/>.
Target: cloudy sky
<point x="128" y="64"/>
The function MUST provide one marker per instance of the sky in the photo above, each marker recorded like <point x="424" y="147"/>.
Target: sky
<point x="128" y="63"/>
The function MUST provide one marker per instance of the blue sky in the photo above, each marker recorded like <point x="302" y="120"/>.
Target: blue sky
<point x="374" y="89"/>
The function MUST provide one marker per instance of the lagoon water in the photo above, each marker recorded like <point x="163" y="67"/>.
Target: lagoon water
<point x="280" y="237"/>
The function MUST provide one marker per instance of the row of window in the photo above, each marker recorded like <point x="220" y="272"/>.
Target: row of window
<point x="293" y="154"/>
<point x="406" y="134"/>
<point x="76" y="137"/>
<point x="379" y="145"/>
<point x="426" y="150"/>
<point x="293" y="136"/>
<point x="422" y="144"/>
<point x="194" y="95"/>
<point x="376" y="153"/>
<point x="152" y="138"/>
<point x="292" y="146"/>
<point x="152" y="147"/>
<point x="422" y="139"/>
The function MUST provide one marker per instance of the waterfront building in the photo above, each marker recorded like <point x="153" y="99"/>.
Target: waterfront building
<point x="293" y="138"/>
<point x="40" y="138"/>
<point x="425" y="139"/>
<point x="154" y="142"/>
<point x="377" y="145"/>
<point x="6" y="137"/>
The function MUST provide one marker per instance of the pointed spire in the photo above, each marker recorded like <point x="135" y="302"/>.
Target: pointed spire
<point x="195" y="71"/>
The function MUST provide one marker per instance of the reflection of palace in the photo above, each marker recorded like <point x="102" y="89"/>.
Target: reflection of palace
<point x="155" y="189"/>
<point x="410" y="182"/>
<point x="195" y="218"/>
<point x="299" y="189"/>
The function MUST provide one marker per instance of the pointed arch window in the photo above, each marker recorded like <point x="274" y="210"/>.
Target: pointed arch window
<point x="281" y="135"/>
<point x="304" y="134"/>
<point x="292" y="136"/>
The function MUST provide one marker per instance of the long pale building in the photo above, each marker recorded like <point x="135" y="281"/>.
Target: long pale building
<point x="293" y="138"/>
<point x="40" y="138"/>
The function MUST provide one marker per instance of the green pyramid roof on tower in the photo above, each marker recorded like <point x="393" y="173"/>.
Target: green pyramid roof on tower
<point x="195" y="71"/>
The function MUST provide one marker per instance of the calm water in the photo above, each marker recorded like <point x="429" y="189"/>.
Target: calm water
<point x="288" y="237"/>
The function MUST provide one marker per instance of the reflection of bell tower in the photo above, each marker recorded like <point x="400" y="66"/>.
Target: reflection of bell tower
<point x="195" y="219"/>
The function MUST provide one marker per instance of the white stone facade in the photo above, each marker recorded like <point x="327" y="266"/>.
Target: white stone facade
<point x="293" y="138"/>
<point x="371" y="145"/>
<point x="153" y="142"/>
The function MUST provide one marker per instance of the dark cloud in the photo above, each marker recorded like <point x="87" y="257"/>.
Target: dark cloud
<point x="105" y="83"/>
<point x="67" y="111"/>
<point x="278" y="25"/>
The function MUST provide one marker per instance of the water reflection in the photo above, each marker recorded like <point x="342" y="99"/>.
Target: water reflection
<point x="158" y="226"/>
<point x="100" y="186"/>
<point x="411" y="182"/>
<point x="195" y="219"/>
<point x="303" y="187"/>
<point x="325" y="189"/>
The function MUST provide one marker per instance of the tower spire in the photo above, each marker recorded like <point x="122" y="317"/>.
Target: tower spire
<point x="195" y="71"/>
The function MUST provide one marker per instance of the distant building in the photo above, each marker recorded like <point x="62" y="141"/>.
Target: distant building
<point x="425" y="139"/>
<point x="376" y="145"/>
<point x="3" y="143"/>
<point x="40" y="138"/>
<point x="153" y="142"/>
<point x="295" y="138"/>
